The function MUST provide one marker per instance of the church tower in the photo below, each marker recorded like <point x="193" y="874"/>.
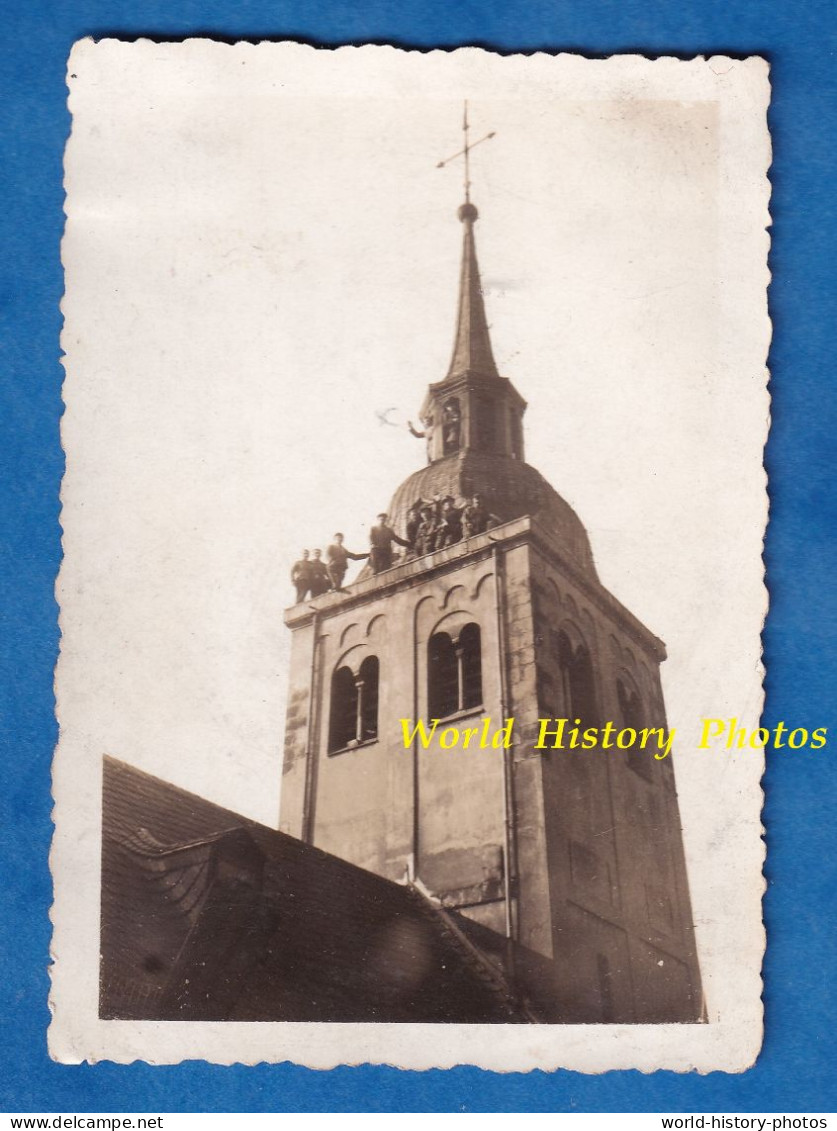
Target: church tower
<point x="573" y="858"/>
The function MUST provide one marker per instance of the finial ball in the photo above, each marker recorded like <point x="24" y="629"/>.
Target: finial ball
<point x="467" y="212"/>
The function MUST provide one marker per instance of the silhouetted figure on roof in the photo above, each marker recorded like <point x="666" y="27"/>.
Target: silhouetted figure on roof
<point x="449" y="527"/>
<point x="413" y="523"/>
<point x="427" y="434"/>
<point x="320" y="581"/>
<point x="301" y="576"/>
<point x="476" y="518"/>
<point x="338" y="558"/>
<point x="426" y="534"/>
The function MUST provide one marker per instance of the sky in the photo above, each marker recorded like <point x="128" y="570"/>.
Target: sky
<point x="262" y="271"/>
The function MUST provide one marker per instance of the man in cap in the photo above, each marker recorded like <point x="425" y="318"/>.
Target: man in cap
<point x="337" y="561"/>
<point x="381" y="538"/>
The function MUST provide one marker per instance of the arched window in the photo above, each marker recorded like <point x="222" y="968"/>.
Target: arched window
<point x="354" y="706"/>
<point x="630" y="706"/>
<point x="516" y="430"/>
<point x="471" y="665"/>
<point x="343" y="709"/>
<point x="442" y="676"/>
<point x="367" y="685"/>
<point x="579" y="685"/>
<point x="454" y="672"/>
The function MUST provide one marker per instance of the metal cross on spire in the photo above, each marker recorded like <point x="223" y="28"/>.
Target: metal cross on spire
<point x="465" y="152"/>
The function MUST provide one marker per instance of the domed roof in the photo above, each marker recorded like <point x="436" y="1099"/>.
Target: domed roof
<point x="509" y="489"/>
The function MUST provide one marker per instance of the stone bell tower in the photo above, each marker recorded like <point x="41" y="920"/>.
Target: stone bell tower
<point x="573" y="858"/>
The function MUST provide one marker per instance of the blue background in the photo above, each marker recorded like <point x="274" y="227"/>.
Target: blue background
<point x="796" y="1071"/>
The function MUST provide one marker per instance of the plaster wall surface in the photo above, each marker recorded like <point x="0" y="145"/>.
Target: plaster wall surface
<point x="384" y="805"/>
<point x="620" y="910"/>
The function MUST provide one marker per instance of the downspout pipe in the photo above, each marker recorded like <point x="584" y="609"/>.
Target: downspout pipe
<point x="508" y="773"/>
<point x="413" y="867"/>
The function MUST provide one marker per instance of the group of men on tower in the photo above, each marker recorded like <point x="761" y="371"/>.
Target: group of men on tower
<point x="435" y="525"/>
<point x="431" y="526"/>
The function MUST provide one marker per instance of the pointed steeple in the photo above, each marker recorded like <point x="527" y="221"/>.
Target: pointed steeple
<point x="473" y="410"/>
<point x="472" y="354"/>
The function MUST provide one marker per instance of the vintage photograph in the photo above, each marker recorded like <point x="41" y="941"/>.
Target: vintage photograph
<point x="413" y="586"/>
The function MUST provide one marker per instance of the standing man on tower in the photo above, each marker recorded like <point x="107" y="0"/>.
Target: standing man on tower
<point x="337" y="562"/>
<point x="320" y="581"/>
<point x="301" y="576"/>
<point x="413" y="523"/>
<point x="476" y="518"/>
<point x="426" y="533"/>
<point x="449" y="529"/>
<point x="381" y="538"/>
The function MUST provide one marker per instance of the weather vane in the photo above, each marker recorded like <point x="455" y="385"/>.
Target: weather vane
<point x="465" y="152"/>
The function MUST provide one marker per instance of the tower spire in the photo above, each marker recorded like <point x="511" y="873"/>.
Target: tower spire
<point x="472" y="345"/>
